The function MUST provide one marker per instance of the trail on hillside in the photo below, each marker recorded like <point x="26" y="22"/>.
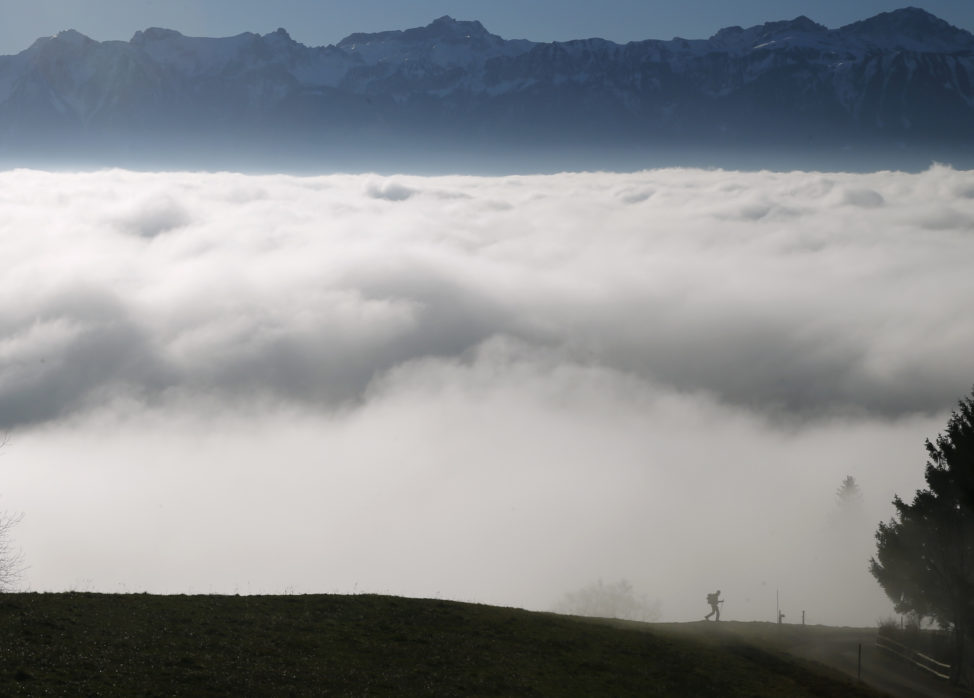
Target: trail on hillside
<point x="837" y="648"/>
<point x="840" y="650"/>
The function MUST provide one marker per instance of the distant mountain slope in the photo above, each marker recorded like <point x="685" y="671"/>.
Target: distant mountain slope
<point x="899" y="85"/>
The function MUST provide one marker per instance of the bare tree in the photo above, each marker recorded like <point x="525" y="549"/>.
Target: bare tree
<point x="11" y="559"/>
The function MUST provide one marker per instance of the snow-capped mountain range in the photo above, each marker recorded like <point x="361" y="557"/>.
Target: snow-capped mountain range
<point x="900" y="84"/>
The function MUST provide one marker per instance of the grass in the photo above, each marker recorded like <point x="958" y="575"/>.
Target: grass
<point x="325" y="645"/>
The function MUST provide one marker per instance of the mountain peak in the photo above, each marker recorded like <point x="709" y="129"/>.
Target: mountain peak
<point x="444" y="29"/>
<point x="800" y="24"/>
<point x="64" y="40"/>
<point x="910" y="28"/>
<point x="782" y="32"/>
<point x="908" y="20"/>
<point x="73" y="37"/>
<point x="153" y="34"/>
<point x="279" y="37"/>
<point x="803" y="23"/>
<point x="447" y="26"/>
<point x="908" y="15"/>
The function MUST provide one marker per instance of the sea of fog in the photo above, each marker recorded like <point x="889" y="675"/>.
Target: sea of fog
<point x="492" y="389"/>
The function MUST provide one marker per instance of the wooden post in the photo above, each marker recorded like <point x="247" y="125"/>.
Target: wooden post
<point x="803" y="617"/>
<point x="859" y="667"/>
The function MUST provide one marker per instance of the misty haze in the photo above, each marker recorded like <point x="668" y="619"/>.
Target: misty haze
<point x="493" y="389"/>
<point x="576" y="326"/>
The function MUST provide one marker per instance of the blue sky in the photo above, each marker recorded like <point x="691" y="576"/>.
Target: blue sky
<point x="320" y="22"/>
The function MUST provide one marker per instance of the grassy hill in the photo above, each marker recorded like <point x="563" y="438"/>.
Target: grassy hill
<point x="108" y="644"/>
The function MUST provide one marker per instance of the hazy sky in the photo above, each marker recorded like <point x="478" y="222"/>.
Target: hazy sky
<point x="488" y="389"/>
<point x="319" y="22"/>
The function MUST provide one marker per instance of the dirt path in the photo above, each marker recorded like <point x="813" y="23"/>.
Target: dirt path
<point x="840" y="651"/>
<point x="837" y="648"/>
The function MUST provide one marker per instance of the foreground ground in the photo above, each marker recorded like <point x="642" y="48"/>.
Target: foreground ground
<point x="93" y="644"/>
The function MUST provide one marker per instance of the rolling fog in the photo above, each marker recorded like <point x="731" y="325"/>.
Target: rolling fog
<point x="486" y="389"/>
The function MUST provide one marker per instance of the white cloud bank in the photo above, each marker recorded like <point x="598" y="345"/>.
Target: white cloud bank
<point x="494" y="389"/>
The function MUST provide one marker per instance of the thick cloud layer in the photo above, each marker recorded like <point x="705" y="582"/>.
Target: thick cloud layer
<point x="489" y="388"/>
<point x="806" y="293"/>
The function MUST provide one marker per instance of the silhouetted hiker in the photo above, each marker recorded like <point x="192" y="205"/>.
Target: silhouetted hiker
<point x="714" y="600"/>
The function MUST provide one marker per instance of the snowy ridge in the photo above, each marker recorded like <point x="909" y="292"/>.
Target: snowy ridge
<point x="898" y="77"/>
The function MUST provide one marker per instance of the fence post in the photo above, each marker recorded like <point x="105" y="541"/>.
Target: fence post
<point x="859" y="667"/>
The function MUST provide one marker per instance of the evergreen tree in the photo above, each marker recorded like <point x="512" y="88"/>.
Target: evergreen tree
<point x="925" y="554"/>
<point x="848" y="518"/>
<point x="849" y="494"/>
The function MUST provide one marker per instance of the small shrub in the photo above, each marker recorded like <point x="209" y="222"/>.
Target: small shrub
<point x="618" y="600"/>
